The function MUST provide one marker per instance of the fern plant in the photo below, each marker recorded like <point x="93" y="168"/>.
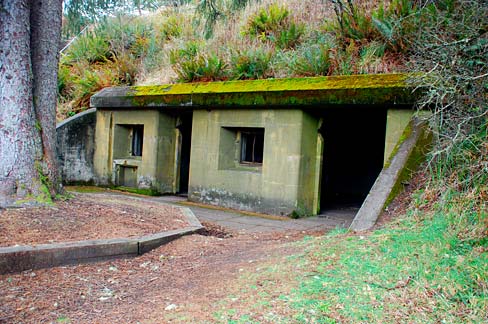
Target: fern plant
<point x="192" y="64"/>
<point x="251" y="64"/>
<point x="312" y="60"/>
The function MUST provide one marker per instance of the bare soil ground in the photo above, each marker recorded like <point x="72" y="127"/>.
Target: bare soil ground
<point x="187" y="276"/>
<point x="86" y="217"/>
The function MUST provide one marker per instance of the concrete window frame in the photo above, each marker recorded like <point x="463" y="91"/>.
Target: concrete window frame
<point x="129" y="141"/>
<point x="236" y="154"/>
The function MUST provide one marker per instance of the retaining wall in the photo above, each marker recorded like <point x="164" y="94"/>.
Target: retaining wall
<point x="76" y="147"/>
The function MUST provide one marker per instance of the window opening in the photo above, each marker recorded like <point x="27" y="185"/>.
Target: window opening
<point x="252" y="146"/>
<point x="137" y="137"/>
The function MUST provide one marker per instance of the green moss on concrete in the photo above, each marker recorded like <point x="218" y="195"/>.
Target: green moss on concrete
<point x="414" y="160"/>
<point x="353" y="89"/>
<point x="406" y="134"/>
<point x="144" y="192"/>
<point x="86" y="188"/>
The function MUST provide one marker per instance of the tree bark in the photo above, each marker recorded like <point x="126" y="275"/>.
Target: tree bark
<point x="45" y="18"/>
<point x="22" y="150"/>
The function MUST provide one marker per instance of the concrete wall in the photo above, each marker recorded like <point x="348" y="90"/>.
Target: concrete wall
<point x="280" y="186"/>
<point x="396" y="123"/>
<point x="310" y="167"/>
<point x="75" y="140"/>
<point x="113" y="163"/>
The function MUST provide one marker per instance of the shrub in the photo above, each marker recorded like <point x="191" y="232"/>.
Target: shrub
<point x="290" y="36"/>
<point x="90" y="47"/>
<point x="64" y="80"/>
<point x="344" y="61"/>
<point x="273" y="24"/>
<point x="171" y="28"/>
<point x="352" y="22"/>
<point x="312" y="60"/>
<point x="394" y="24"/>
<point x="192" y="64"/>
<point x="370" y="57"/>
<point x="267" y="22"/>
<point x="251" y="64"/>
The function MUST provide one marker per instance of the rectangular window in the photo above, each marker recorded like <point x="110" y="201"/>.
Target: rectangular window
<point x="252" y="146"/>
<point x="137" y="140"/>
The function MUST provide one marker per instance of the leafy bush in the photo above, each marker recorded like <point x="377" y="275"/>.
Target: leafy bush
<point x="111" y="53"/>
<point x="90" y="47"/>
<point x="274" y="24"/>
<point x="267" y="22"/>
<point x="251" y="64"/>
<point x="64" y="80"/>
<point x="353" y="21"/>
<point x="394" y="24"/>
<point x="171" y="28"/>
<point x="192" y="64"/>
<point x="290" y="36"/>
<point x="312" y="60"/>
<point x="370" y="57"/>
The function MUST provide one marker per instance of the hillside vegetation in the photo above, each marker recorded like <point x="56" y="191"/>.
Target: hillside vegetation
<point x="428" y="265"/>
<point x="235" y="40"/>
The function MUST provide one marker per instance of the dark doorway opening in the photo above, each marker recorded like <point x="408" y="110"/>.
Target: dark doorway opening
<point x="185" y="125"/>
<point x="354" y="140"/>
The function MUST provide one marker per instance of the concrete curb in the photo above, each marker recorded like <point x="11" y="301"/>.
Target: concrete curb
<point x="388" y="178"/>
<point x="25" y="257"/>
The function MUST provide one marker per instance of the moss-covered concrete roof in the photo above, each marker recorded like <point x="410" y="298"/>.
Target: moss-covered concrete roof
<point x="354" y="89"/>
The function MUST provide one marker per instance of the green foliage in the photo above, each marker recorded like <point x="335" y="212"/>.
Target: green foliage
<point x="454" y="50"/>
<point x="91" y="47"/>
<point x="171" y="27"/>
<point x="192" y="64"/>
<point x="290" y="37"/>
<point x="312" y="60"/>
<point x="80" y="13"/>
<point x="273" y="24"/>
<point x="63" y="80"/>
<point x="251" y="64"/>
<point x="434" y="255"/>
<point x="209" y="12"/>
<point x="393" y="24"/>
<point x="113" y="52"/>
<point x="267" y="22"/>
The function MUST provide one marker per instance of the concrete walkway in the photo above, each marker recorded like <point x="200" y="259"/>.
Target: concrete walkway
<point x="236" y="221"/>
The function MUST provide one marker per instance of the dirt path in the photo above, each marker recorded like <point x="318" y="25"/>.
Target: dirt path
<point x="179" y="282"/>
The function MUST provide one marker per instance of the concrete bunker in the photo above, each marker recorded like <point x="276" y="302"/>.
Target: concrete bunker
<point x="280" y="146"/>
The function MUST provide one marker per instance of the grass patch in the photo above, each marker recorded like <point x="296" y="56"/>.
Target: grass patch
<point x="421" y="269"/>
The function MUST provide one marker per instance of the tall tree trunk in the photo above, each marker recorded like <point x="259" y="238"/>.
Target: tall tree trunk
<point x="22" y="151"/>
<point x="45" y="18"/>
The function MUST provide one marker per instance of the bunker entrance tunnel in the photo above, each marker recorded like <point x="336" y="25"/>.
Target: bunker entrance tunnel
<point x="353" y="151"/>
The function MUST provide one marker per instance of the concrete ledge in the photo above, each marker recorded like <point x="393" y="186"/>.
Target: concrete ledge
<point x="20" y="258"/>
<point x="389" y="179"/>
<point x="150" y="242"/>
<point x="391" y="89"/>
